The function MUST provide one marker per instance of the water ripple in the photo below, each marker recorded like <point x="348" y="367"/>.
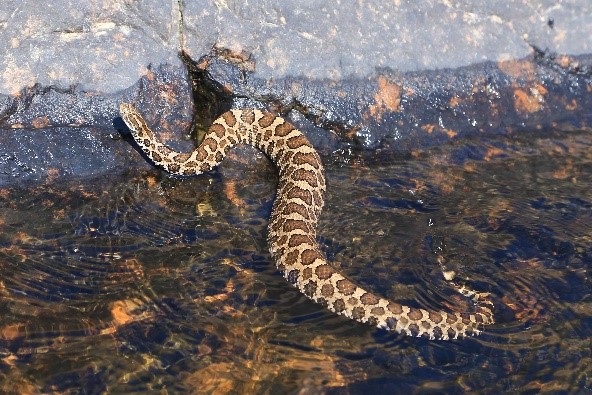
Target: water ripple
<point x="155" y="283"/>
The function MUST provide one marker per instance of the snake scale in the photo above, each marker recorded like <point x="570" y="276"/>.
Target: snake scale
<point x="293" y="221"/>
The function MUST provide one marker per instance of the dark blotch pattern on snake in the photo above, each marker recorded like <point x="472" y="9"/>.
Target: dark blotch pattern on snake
<point x="293" y="222"/>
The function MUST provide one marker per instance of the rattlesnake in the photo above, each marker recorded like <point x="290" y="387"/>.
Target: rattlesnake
<point x="293" y="221"/>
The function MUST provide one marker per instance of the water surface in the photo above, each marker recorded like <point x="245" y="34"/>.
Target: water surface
<point x="147" y="283"/>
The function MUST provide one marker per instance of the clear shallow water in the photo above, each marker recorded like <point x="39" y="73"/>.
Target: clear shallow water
<point x="153" y="284"/>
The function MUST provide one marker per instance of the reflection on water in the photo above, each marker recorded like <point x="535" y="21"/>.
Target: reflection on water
<point x="151" y="283"/>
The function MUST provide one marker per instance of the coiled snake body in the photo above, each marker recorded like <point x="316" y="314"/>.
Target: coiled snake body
<point x="293" y="221"/>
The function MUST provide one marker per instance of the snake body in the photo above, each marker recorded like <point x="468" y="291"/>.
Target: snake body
<point x="293" y="221"/>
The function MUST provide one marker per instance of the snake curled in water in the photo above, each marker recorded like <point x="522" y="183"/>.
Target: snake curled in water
<point x="293" y="221"/>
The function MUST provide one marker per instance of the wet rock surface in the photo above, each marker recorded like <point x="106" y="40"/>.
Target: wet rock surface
<point x="371" y="78"/>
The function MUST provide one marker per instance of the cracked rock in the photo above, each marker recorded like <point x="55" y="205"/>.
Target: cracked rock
<point x="356" y="77"/>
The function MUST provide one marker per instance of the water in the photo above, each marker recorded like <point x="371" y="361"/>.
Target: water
<point x="158" y="285"/>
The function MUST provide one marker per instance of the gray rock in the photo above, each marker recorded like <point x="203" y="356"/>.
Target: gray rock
<point x="48" y="132"/>
<point x="374" y="74"/>
<point x="106" y="47"/>
<point x="97" y="46"/>
<point x="38" y="155"/>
